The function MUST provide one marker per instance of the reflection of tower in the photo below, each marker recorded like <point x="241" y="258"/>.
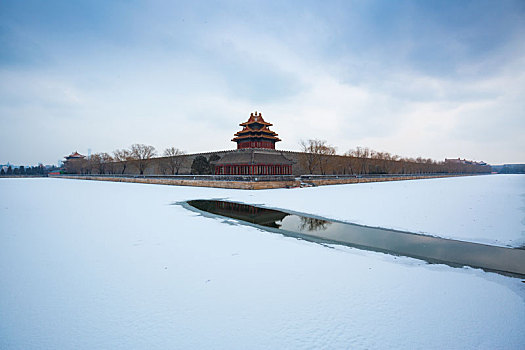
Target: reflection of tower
<point x="245" y="212"/>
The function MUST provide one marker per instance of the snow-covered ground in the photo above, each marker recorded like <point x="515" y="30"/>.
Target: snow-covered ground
<point x="100" y="265"/>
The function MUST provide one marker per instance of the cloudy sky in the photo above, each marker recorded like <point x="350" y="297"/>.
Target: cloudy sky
<point x="417" y="78"/>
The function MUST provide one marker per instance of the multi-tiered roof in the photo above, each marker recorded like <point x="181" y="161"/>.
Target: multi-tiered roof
<point x="75" y="155"/>
<point x="256" y="134"/>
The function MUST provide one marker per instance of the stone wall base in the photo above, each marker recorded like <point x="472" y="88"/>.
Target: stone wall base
<point x="246" y="185"/>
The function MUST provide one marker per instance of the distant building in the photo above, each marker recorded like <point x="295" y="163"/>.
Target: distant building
<point x="71" y="164"/>
<point x="463" y="161"/>
<point x="73" y="156"/>
<point x="255" y="154"/>
<point x="455" y="161"/>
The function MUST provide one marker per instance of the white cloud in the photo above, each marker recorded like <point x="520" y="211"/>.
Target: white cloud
<point x="191" y="77"/>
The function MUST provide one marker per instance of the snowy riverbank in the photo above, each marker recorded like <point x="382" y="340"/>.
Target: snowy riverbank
<point x="88" y="265"/>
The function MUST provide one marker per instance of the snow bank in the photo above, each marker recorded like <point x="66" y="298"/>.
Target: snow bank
<point x="99" y="265"/>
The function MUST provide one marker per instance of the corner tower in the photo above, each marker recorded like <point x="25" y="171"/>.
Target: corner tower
<point x="255" y="133"/>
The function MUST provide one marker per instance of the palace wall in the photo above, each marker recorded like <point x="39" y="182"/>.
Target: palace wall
<point x="303" y="163"/>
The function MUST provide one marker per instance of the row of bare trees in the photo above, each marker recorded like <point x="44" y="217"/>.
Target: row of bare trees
<point x="137" y="156"/>
<point x="318" y="157"/>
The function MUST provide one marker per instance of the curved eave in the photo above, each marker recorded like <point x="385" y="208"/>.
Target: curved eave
<point x="252" y="122"/>
<point x="274" y="136"/>
<point x="266" y="137"/>
<point x="255" y="133"/>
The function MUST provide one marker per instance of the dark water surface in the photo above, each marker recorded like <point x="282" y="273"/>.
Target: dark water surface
<point x="432" y="249"/>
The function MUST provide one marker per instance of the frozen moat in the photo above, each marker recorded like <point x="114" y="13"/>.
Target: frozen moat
<point x="431" y="249"/>
<point x="87" y="265"/>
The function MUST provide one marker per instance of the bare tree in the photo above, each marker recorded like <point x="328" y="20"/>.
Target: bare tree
<point x="141" y="154"/>
<point x="316" y="153"/>
<point x="108" y="163"/>
<point x="345" y="164"/>
<point x="308" y="158"/>
<point x="122" y="156"/>
<point x="95" y="163"/>
<point x="101" y="162"/>
<point x="361" y="154"/>
<point x="326" y="153"/>
<point x="174" y="159"/>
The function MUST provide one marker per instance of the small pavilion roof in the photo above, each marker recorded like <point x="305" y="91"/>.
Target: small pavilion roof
<point x="75" y="155"/>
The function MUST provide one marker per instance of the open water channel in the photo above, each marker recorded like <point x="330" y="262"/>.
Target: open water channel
<point x="509" y="261"/>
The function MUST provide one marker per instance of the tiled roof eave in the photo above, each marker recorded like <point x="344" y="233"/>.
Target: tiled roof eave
<point x="244" y="133"/>
<point x="265" y="137"/>
<point x="248" y="123"/>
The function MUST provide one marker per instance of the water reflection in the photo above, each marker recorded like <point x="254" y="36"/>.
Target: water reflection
<point x="249" y="213"/>
<point x="312" y="224"/>
<point x="431" y="249"/>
